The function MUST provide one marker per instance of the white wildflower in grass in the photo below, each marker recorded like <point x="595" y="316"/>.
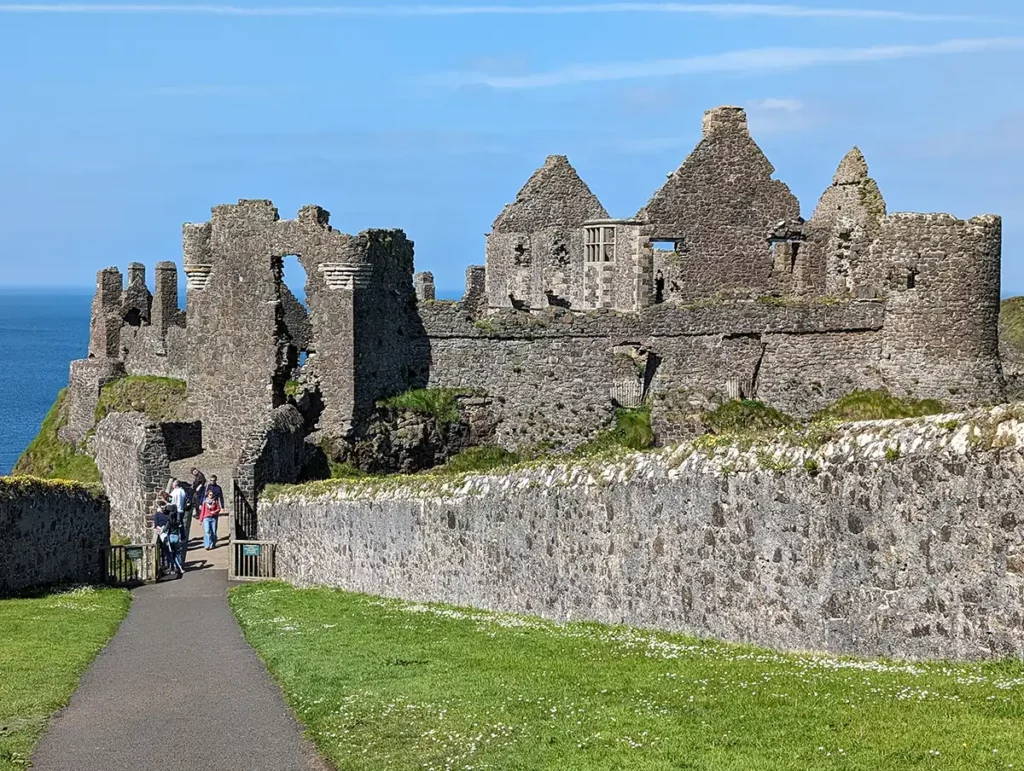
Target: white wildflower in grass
<point x="383" y="684"/>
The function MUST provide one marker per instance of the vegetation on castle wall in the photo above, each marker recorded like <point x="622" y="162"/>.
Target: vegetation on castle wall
<point x="162" y="399"/>
<point x="746" y="416"/>
<point x="480" y="460"/>
<point x="48" y="457"/>
<point x="879" y="405"/>
<point x="440" y="403"/>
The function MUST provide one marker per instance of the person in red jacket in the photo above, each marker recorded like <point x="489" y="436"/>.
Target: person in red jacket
<point x="208" y="514"/>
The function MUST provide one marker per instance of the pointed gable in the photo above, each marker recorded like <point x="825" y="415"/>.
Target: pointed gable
<point x="553" y="196"/>
<point x="726" y="182"/>
<point x="853" y="194"/>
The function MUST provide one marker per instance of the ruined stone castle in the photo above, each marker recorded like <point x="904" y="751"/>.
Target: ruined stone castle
<point x="716" y="288"/>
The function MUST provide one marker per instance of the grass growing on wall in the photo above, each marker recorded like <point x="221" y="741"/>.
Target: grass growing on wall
<point x="46" y="643"/>
<point x="162" y="399"/>
<point x="1011" y="325"/>
<point x="387" y="685"/>
<point x="746" y="416"/>
<point x="479" y="459"/>
<point x="441" y="403"/>
<point x="879" y="405"/>
<point x="50" y="458"/>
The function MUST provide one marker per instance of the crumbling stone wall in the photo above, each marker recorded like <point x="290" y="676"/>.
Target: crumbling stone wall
<point x="552" y="377"/>
<point x="535" y="244"/>
<point x="87" y="378"/>
<point x="718" y="208"/>
<point x="52" y="533"/>
<point x="274" y="454"/>
<point x="131" y="454"/>
<point x="859" y="553"/>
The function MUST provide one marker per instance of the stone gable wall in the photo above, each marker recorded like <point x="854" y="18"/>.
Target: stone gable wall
<point x="898" y="538"/>
<point x="52" y="533"/>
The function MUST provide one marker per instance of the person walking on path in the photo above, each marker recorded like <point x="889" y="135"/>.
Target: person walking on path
<point x="208" y="514"/>
<point x="218" y="493"/>
<point x="176" y="541"/>
<point x="179" y="500"/>
<point x="160" y="523"/>
<point x="198" y="487"/>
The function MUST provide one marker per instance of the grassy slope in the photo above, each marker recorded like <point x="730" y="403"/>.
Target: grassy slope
<point x="49" y="458"/>
<point x="1011" y="327"/>
<point x="45" y="645"/>
<point x="387" y="685"/>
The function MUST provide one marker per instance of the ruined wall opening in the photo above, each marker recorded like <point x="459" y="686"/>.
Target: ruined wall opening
<point x="659" y="288"/>
<point x="133" y="317"/>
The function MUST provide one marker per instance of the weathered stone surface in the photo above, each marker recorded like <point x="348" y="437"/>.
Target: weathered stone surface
<point x="131" y="454"/>
<point x="898" y="538"/>
<point x="52" y="533"/>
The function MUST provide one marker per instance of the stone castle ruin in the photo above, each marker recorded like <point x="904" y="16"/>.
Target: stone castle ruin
<point x="716" y="288"/>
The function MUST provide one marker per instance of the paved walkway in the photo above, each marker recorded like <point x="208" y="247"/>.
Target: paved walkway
<point x="178" y="689"/>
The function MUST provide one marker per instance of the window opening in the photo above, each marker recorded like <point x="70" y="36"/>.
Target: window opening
<point x="599" y="242"/>
<point x="659" y="288"/>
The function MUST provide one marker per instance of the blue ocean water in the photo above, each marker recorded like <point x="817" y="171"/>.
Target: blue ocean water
<point x="41" y="332"/>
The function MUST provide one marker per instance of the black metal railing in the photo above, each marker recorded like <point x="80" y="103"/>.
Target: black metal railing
<point x="245" y="515"/>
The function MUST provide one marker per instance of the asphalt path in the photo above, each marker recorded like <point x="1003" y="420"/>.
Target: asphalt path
<point x="178" y="689"/>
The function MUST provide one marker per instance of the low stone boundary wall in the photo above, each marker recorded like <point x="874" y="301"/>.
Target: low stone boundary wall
<point x="51" y="532"/>
<point x="895" y="538"/>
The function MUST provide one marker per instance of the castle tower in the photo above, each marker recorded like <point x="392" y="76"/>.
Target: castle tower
<point x="941" y="282"/>
<point x="165" y="311"/>
<point x="136" y="300"/>
<point x="105" y="319"/>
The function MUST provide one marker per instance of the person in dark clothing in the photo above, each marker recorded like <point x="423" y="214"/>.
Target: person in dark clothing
<point x="160" y="523"/>
<point x="218" y="494"/>
<point x="175" y="540"/>
<point x="198" y="488"/>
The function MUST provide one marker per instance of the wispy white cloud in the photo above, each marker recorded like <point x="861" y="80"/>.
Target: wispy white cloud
<point x="777" y="116"/>
<point x="722" y="10"/>
<point x="752" y="60"/>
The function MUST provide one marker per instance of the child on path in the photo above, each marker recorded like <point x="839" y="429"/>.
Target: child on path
<point x="208" y="514"/>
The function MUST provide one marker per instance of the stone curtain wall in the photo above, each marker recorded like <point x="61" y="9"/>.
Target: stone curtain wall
<point x="920" y="555"/>
<point x="52" y="533"/>
<point x="551" y="376"/>
<point x="131" y="454"/>
<point x="88" y="376"/>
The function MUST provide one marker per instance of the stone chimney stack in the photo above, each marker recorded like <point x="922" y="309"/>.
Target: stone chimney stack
<point x="732" y="119"/>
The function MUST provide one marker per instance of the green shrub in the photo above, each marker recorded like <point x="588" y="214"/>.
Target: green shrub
<point x="345" y="471"/>
<point x="632" y="431"/>
<point x="746" y="416"/>
<point x="48" y="457"/>
<point x="441" y="403"/>
<point x="478" y="459"/>
<point x="879" y="405"/>
<point x="162" y="399"/>
<point x="291" y="388"/>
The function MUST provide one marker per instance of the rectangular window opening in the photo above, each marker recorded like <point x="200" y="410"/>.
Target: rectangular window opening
<point x="599" y="244"/>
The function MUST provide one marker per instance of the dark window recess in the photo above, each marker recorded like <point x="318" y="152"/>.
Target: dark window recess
<point x="659" y="288"/>
<point x="133" y="318"/>
<point x="911" y="279"/>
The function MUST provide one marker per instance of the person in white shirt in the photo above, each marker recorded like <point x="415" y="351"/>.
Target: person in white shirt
<point x="178" y="498"/>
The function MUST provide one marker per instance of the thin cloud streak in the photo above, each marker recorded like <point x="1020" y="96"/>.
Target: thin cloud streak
<point x="705" y="9"/>
<point x="753" y="61"/>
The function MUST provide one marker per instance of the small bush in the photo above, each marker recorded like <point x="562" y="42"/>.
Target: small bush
<point x="633" y="428"/>
<point x="345" y="471"/>
<point x="745" y="416"/>
<point x="441" y="403"/>
<point x="291" y="388"/>
<point x="162" y="399"/>
<point x="479" y="459"/>
<point x="892" y="454"/>
<point x="879" y="405"/>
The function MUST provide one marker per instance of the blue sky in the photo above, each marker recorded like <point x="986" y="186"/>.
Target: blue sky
<point x="120" y="122"/>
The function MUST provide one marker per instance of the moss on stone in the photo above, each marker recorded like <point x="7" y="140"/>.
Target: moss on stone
<point x="1011" y="327"/>
<point x="162" y="399"/>
<point x="47" y="457"/>
<point x="871" y="199"/>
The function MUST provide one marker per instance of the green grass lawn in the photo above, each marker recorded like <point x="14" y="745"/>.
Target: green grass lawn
<point x="382" y="684"/>
<point x="45" y="645"/>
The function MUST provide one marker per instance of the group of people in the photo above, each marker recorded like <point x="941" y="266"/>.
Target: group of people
<point x="177" y="506"/>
